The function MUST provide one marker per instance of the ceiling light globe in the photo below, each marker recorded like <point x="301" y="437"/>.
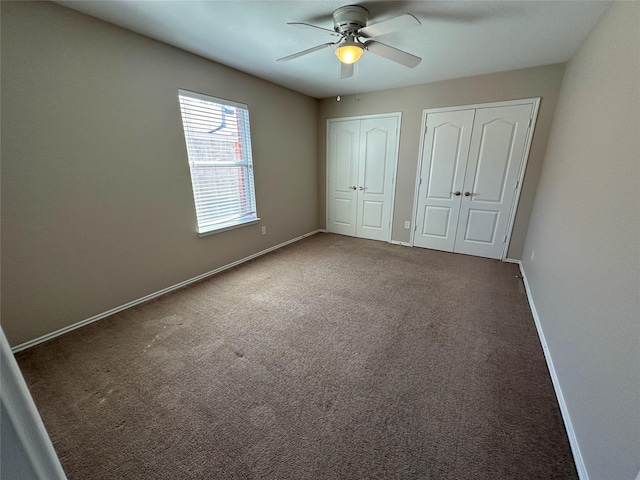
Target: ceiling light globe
<point x="349" y="53"/>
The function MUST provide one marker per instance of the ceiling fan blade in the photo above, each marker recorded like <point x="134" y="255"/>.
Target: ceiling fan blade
<point x="308" y="25"/>
<point x="346" y="70"/>
<point x="391" y="53"/>
<point x="387" y="26"/>
<point x="305" y="52"/>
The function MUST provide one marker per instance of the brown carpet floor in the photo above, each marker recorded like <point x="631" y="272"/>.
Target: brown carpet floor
<point x="331" y="358"/>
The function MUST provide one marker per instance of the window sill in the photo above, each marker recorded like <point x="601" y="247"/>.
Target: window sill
<point x="225" y="227"/>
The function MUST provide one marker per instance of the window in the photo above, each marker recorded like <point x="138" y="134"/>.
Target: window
<point x="219" y="150"/>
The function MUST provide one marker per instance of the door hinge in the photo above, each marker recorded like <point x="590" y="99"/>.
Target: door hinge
<point x="530" y="121"/>
<point x="504" y="239"/>
<point x="517" y="183"/>
<point x="415" y="227"/>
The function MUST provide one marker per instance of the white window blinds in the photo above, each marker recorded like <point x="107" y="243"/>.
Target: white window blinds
<point x="219" y="150"/>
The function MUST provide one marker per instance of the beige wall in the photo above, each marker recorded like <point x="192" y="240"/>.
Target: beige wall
<point x="97" y="207"/>
<point x="582" y="251"/>
<point x="411" y="101"/>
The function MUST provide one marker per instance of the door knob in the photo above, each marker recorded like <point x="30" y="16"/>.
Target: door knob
<point x="469" y="194"/>
<point x="361" y="188"/>
<point x="353" y="188"/>
<point x="456" y="193"/>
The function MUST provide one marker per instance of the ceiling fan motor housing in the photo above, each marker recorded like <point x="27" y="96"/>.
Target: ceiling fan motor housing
<point x="349" y="19"/>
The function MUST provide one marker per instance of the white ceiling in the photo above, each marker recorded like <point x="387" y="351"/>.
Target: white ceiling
<point x="456" y="38"/>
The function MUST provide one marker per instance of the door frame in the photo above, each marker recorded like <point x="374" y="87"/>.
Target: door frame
<point x="535" y="103"/>
<point x="398" y="116"/>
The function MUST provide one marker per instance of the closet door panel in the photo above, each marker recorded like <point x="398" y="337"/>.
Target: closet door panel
<point x="375" y="160"/>
<point x="495" y="157"/>
<point x="378" y="155"/>
<point x="343" y="151"/>
<point x="444" y="158"/>
<point x="373" y="215"/>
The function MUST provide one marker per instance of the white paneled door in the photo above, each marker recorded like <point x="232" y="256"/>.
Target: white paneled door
<point x="446" y="149"/>
<point x="469" y="177"/>
<point x="343" y="157"/>
<point x="362" y="156"/>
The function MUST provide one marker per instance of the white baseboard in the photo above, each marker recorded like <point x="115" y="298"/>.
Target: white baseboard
<point x="146" y="298"/>
<point x="573" y="441"/>
<point x="512" y="260"/>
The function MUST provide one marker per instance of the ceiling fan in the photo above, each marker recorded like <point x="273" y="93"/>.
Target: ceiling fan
<point x="350" y="24"/>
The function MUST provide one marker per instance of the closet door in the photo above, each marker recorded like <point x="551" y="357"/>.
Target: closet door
<point x="445" y="150"/>
<point x="378" y="153"/>
<point x="361" y="162"/>
<point x="495" y="158"/>
<point x="343" y="151"/>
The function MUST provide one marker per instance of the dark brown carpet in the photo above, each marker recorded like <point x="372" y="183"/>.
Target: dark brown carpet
<point x="332" y="358"/>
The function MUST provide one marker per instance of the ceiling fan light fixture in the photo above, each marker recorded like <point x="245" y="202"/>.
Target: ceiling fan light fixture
<point x="350" y="51"/>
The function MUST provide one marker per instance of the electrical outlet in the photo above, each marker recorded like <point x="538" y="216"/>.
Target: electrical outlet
<point x="264" y="230"/>
<point x="407" y="224"/>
